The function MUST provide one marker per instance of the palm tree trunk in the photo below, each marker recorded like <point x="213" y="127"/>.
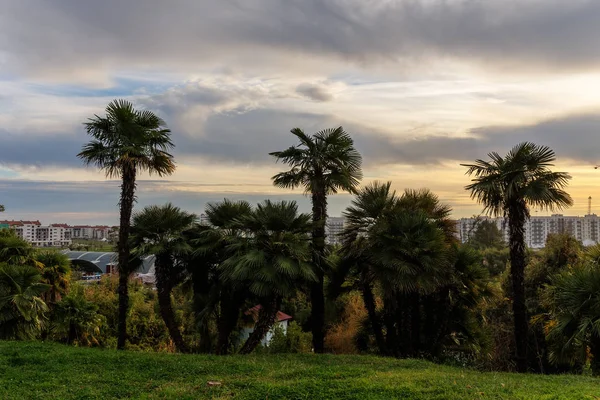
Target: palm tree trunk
<point x="163" y="287"/>
<point x="228" y="318"/>
<point x="126" y="205"/>
<point x="516" y="222"/>
<point x="266" y="320"/>
<point x="370" y="305"/>
<point x="317" y="295"/>
<point x="166" y="311"/>
<point x="391" y="338"/>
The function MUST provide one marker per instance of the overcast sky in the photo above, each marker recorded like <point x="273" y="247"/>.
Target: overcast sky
<point x="422" y="85"/>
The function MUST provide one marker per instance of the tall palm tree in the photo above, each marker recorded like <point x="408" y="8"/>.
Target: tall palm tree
<point x="160" y="231"/>
<point x="56" y="272"/>
<point x="22" y="309"/>
<point x="323" y="164"/>
<point x="507" y="186"/>
<point x="271" y="257"/>
<point x="126" y="142"/>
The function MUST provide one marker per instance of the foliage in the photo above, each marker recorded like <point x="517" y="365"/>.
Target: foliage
<point x="76" y="320"/>
<point x="341" y="338"/>
<point x="22" y="308"/>
<point x="54" y="371"/>
<point x="486" y="235"/>
<point x="294" y="340"/>
<point x="56" y="272"/>
<point x="14" y="250"/>
<point x="574" y="297"/>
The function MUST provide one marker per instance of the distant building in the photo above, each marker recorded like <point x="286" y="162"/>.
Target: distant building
<point x="251" y="316"/>
<point x="586" y="229"/>
<point x="334" y="229"/>
<point x="204" y="219"/>
<point x="56" y="235"/>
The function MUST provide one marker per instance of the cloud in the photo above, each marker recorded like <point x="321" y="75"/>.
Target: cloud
<point x="87" y="40"/>
<point x="314" y="92"/>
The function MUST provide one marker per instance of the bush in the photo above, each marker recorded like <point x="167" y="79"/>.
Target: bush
<point x="294" y="341"/>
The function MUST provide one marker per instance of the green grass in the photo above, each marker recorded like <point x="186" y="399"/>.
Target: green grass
<point x="53" y="371"/>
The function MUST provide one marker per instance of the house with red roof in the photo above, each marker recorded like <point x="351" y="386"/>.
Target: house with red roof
<point x="281" y="322"/>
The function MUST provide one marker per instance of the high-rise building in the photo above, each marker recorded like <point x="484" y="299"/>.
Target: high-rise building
<point x="585" y="229"/>
<point x="333" y="230"/>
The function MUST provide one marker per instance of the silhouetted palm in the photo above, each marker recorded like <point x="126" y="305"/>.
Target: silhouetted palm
<point x="322" y="164"/>
<point x="160" y="231"/>
<point x="126" y="142"/>
<point x="507" y="186"/>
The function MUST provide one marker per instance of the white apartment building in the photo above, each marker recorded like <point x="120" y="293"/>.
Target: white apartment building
<point x="333" y="230"/>
<point x="90" y="232"/>
<point x="586" y="229"/>
<point x="43" y="236"/>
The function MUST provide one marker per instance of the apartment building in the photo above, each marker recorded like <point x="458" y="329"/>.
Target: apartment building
<point x="586" y="229"/>
<point x="333" y="230"/>
<point x="55" y="235"/>
<point x="100" y="232"/>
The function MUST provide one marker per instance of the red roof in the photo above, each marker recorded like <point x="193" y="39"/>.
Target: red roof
<point x="280" y="315"/>
<point x="60" y="225"/>
<point x="20" y="223"/>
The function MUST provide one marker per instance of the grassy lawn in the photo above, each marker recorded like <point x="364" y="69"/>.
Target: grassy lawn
<point x="53" y="371"/>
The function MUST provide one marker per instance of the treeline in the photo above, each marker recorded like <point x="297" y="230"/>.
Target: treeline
<point x="400" y="284"/>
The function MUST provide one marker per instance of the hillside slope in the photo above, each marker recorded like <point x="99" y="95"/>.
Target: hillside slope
<point x="53" y="371"/>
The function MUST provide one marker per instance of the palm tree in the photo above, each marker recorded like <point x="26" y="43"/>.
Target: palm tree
<point x="159" y="231"/>
<point x="126" y="142"/>
<point x="14" y="250"/>
<point x="76" y="320"/>
<point x="271" y="257"/>
<point x="213" y="295"/>
<point x="508" y="186"/>
<point x="22" y="309"/>
<point x="322" y="164"/>
<point x="372" y="203"/>
<point x="56" y="272"/>
<point x="574" y="297"/>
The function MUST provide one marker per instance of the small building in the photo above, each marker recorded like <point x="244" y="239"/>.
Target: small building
<point x="281" y="321"/>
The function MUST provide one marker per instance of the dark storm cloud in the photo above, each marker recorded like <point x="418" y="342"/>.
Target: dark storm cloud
<point x="45" y="38"/>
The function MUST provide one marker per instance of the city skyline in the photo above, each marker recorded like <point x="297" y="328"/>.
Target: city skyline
<point x="422" y="86"/>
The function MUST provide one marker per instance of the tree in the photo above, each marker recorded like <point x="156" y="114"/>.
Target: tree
<point x="14" y="250"/>
<point x="574" y="296"/>
<point x="508" y="186"/>
<point x="76" y="320"/>
<point x="160" y="231"/>
<point x="22" y="309"/>
<point x="322" y="164"/>
<point x="214" y="295"/>
<point x="56" y="272"/>
<point x="486" y="235"/>
<point x="2" y="208"/>
<point x="126" y="142"/>
<point x="271" y="258"/>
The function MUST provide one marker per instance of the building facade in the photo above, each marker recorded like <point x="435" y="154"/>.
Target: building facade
<point x="55" y="235"/>
<point x="586" y="229"/>
<point x="333" y="230"/>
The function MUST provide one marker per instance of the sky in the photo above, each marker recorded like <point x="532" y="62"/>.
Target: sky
<point x="421" y="85"/>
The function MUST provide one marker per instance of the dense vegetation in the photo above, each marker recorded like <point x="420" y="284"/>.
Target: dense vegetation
<point x="52" y="371"/>
<point x="399" y="285"/>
